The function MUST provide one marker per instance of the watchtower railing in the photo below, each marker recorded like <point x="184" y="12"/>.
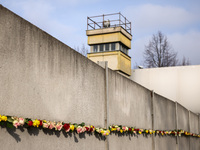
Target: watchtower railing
<point x="117" y="19"/>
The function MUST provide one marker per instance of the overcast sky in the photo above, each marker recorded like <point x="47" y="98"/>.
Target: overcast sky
<point x="66" y="20"/>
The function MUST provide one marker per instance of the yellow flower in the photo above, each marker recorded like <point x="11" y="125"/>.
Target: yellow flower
<point x="102" y="131"/>
<point x="72" y="127"/>
<point x="107" y="133"/>
<point x="147" y="131"/>
<point x="121" y="130"/>
<point x="44" y="121"/>
<point x="140" y="132"/>
<point x="0" y="118"/>
<point x="36" y="123"/>
<point x="3" y="118"/>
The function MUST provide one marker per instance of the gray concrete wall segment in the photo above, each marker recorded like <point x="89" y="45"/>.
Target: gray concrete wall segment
<point x="33" y="139"/>
<point x="194" y="123"/>
<point x="184" y="143"/>
<point x="194" y="143"/>
<point x="130" y="104"/>
<point x="183" y="118"/>
<point x="164" y="113"/>
<point x="45" y="76"/>
<point x="165" y="143"/>
<point x="130" y="142"/>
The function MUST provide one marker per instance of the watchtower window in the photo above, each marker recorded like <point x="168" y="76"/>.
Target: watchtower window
<point x="101" y="47"/>
<point x="112" y="46"/>
<point x="95" y="48"/>
<point x="106" y="47"/>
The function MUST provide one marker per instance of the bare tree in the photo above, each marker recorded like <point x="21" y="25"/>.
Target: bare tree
<point x="158" y="53"/>
<point x="83" y="50"/>
<point x="185" y="62"/>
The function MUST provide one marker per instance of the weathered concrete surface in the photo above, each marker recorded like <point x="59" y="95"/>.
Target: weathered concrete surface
<point x="130" y="142"/>
<point x="33" y="139"/>
<point x="184" y="143"/>
<point x="194" y="128"/>
<point x="164" y="113"/>
<point x="130" y="105"/>
<point x="164" y="119"/>
<point x="165" y="143"/>
<point x="183" y="118"/>
<point x="183" y="123"/>
<point x="45" y="79"/>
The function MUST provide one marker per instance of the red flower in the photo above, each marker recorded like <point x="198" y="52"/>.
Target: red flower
<point x="30" y="123"/>
<point x="40" y="122"/>
<point x="129" y="129"/>
<point x="66" y="126"/>
<point x="87" y="129"/>
<point x="159" y="131"/>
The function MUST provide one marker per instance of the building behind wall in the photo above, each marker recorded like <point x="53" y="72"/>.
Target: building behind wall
<point x="180" y="83"/>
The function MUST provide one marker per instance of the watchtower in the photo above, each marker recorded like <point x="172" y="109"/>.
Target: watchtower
<point x="109" y="38"/>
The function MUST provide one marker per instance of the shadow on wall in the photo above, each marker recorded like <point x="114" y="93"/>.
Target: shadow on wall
<point x="35" y="131"/>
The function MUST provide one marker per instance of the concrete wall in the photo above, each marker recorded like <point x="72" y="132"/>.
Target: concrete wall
<point x="164" y="119"/>
<point x="179" y="84"/>
<point x="44" y="78"/>
<point x="129" y="105"/>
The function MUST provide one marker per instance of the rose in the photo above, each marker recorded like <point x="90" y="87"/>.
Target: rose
<point x="36" y="123"/>
<point x="45" y="125"/>
<point x="40" y="123"/>
<point x="21" y="121"/>
<point x="3" y="118"/>
<point x="66" y="127"/>
<point x="59" y="126"/>
<point x="16" y="123"/>
<point x="30" y="123"/>
<point x="51" y="125"/>
<point x="72" y="127"/>
<point x="79" y="129"/>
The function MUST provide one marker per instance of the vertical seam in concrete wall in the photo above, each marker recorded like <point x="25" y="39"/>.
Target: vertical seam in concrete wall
<point x="152" y="117"/>
<point x="189" y="126"/>
<point x="199" y="129"/>
<point x="176" y="125"/>
<point x="106" y="102"/>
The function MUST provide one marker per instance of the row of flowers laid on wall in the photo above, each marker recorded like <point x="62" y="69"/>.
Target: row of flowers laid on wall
<point x="11" y="122"/>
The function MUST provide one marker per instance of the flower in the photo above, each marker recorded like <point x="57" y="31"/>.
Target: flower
<point x="30" y="123"/>
<point x="40" y="123"/>
<point x="66" y="127"/>
<point x="87" y="128"/>
<point x="72" y="127"/>
<point x="16" y="123"/>
<point x="21" y="121"/>
<point x="51" y="124"/>
<point x="36" y="123"/>
<point x="45" y="125"/>
<point x="0" y="118"/>
<point x="79" y="129"/>
<point x="3" y="118"/>
<point x="121" y="130"/>
<point x="92" y="128"/>
<point x="59" y="126"/>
